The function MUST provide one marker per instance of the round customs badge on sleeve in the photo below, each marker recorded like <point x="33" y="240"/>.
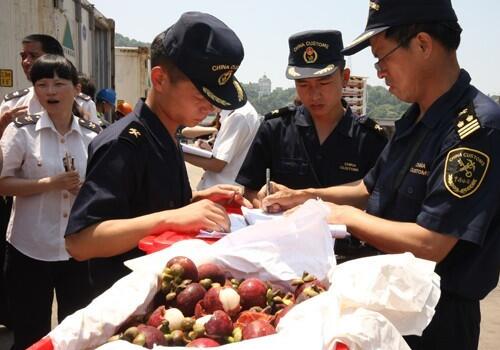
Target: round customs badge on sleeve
<point x="465" y="170"/>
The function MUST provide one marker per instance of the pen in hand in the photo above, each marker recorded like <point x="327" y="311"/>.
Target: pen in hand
<point x="65" y="163"/>
<point x="268" y="181"/>
<point x="69" y="163"/>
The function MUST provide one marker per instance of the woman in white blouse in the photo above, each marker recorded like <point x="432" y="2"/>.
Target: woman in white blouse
<point x="44" y="163"/>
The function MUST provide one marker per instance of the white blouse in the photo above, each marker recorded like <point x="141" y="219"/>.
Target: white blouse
<point x="38" y="222"/>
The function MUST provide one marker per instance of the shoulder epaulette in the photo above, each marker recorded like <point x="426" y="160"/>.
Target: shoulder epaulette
<point x="89" y="125"/>
<point x="372" y="124"/>
<point x="16" y="94"/>
<point x="133" y="132"/>
<point x="282" y="112"/>
<point x="467" y="122"/>
<point x="83" y="96"/>
<point x="26" y="120"/>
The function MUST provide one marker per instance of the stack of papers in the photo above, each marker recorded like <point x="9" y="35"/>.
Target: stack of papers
<point x="252" y="216"/>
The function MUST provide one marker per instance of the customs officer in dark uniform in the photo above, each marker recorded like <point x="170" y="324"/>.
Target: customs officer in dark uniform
<point x="136" y="182"/>
<point x="320" y="143"/>
<point x="434" y="190"/>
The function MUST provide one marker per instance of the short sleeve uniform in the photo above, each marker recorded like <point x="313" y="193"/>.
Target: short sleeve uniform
<point x="134" y="168"/>
<point x="451" y="184"/>
<point x="34" y="149"/>
<point x="290" y="148"/>
<point x="233" y="140"/>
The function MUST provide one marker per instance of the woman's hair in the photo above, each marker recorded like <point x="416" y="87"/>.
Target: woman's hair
<point x="48" y="66"/>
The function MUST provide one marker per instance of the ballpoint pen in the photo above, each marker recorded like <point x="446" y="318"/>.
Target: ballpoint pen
<point x="268" y="181"/>
<point x="65" y="163"/>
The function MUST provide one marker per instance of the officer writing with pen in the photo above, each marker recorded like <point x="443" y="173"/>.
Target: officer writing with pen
<point x="320" y="143"/>
<point x="136" y="183"/>
<point x="434" y="190"/>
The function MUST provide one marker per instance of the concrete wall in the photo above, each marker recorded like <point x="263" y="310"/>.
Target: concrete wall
<point x="132" y="73"/>
<point x="59" y="19"/>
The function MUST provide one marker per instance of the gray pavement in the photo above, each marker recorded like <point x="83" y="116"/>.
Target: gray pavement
<point x="490" y="306"/>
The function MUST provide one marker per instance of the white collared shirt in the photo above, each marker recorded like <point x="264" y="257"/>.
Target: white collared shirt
<point x="237" y="130"/>
<point x="38" y="222"/>
<point x="35" y="107"/>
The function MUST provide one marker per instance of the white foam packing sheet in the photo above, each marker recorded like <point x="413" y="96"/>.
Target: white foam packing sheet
<point x="399" y="299"/>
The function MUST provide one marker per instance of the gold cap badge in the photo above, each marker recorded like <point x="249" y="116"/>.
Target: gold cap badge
<point x="310" y="55"/>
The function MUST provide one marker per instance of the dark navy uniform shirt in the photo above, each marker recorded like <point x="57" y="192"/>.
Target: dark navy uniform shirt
<point x="134" y="168"/>
<point x="450" y="185"/>
<point x="290" y="148"/>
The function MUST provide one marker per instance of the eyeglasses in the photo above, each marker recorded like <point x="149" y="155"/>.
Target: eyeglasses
<point x="377" y="64"/>
<point x="403" y="42"/>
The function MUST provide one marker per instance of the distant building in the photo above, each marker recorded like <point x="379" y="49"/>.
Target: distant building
<point x="264" y="86"/>
<point x="496" y="98"/>
<point x="355" y="94"/>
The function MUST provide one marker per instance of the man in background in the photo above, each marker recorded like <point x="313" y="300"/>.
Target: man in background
<point x="237" y="130"/>
<point x="24" y="101"/>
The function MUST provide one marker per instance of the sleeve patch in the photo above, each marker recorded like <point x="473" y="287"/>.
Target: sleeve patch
<point x="465" y="169"/>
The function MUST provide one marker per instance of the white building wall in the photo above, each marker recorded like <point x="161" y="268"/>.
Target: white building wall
<point x="132" y="74"/>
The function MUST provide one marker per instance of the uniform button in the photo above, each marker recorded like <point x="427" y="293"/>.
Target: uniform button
<point x="65" y="215"/>
<point x="410" y="190"/>
<point x="62" y="141"/>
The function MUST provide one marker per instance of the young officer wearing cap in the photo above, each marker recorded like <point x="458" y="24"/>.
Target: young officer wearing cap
<point x="434" y="190"/>
<point x="136" y="182"/>
<point x="321" y="143"/>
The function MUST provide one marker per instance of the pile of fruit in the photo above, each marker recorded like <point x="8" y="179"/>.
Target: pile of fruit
<point x="203" y="307"/>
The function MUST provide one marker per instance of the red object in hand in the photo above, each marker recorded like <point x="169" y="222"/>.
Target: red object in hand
<point x="154" y="243"/>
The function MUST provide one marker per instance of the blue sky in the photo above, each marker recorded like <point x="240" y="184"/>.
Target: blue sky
<point x="264" y="28"/>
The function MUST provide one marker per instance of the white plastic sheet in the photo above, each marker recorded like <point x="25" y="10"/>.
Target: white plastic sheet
<point x="371" y="300"/>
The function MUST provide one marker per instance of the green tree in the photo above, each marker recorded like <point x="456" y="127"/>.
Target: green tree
<point x="382" y="104"/>
<point x="121" y="40"/>
<point x="278" y="98"/>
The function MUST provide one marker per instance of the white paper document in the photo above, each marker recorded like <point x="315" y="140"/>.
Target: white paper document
<point x="253" y="216"/>
<point x="197" y="151"/>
